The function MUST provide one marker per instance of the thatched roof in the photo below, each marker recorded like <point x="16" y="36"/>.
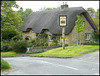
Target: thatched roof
<point x="49" y="19"/>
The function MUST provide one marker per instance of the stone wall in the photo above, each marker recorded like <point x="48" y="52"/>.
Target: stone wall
<point x="42" y="48"/>
<point x="72" y="37"/>
<point x="30" y="33"/>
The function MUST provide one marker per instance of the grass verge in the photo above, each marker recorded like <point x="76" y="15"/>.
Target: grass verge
<point x="70" y="51"/>
<point x="9" y="53"/>
<point x="4" y="65"/>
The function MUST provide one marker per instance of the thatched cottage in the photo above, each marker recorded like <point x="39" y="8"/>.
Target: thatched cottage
<point x="38" y="22"/>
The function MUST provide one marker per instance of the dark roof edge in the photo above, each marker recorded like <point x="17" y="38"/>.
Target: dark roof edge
<point x="89" y="19"/>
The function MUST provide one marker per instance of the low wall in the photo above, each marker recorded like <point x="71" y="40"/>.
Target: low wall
<point x="42" y="48"/>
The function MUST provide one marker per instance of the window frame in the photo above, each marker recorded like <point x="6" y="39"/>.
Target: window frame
<point x="87" y="34"/>
<point x="57" y="38"/>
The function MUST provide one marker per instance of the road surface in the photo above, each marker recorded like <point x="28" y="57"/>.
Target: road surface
<point x="51" y="66"/>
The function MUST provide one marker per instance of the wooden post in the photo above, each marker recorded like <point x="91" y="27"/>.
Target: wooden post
<point x="63" y="40"/>
<point x="80" y="42"/>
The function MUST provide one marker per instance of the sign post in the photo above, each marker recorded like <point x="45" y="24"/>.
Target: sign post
<point x="63" y="24"/>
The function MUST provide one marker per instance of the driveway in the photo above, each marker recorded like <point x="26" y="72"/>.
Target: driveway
<point x="53" y="66"/>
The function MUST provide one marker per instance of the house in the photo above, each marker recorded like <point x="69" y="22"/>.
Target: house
<point x="38" y="22"/>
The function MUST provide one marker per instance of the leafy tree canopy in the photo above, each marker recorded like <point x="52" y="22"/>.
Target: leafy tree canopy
<point x="24" y="14"/>
<point x="10" y="20"/>
<point x="92" y="10"/>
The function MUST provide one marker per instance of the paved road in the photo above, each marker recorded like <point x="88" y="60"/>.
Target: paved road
<point x="51" y="66"/>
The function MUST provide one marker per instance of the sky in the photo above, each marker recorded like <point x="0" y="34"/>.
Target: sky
<point x="37" y="5"/>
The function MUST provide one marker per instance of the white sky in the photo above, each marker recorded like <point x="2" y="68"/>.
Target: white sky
<point x="36" y="5"/>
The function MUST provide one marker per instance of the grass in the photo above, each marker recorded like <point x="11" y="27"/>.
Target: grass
<point x="4" y="65"/>
<point x="70" y="51"/>
<point x="9" y="53"/>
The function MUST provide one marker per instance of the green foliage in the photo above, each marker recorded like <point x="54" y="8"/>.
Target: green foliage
<point x="4" y="65"/>
<point x="90" y="43"/>
<point x="48" y="8"/>
<point x="24" y="14"/>
<point x="9" y="33"/>
<point x="6" y="47"/>
<point x="10" y="20"/>
<point x="96" y="21"/>
<point x="20" y="46"/>
<point x="98" y="12"/>
<point x="29" y="45"/>
<point x="32" y="52"/>
<point x="45" y="44"/>
<point x="70" y="51"/>
<point x="41" y="39"/>
<point x="55" y="42"/>
<point x="95" y="36"/>
<point x="61" y="45"/>
<point x="79" y="26"/>
<point x="92" y="10"/>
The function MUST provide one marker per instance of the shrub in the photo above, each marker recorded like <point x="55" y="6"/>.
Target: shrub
<point x="6" y="47"/>
<point x="31" y="41"/>
<point x="49" y="44"/>
<point x="45" y="44"/>
<point x="90" y="43"/>
<point x="20" y="46"/>
<point x="61" y="45"/>
<point x="16" y="38"/>
<point x="29" y="45"/>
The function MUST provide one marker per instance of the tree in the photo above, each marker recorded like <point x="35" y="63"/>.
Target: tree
<point x="24" y="14"/>
<point x="92" y="10"/>
<point x="10" y="20"/>
<point x="96" y="21"/>
<point x="78" y="28"/>
<point x="97" y="12"/>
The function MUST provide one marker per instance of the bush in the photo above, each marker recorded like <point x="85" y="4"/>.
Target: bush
<point x="45" y="44"/>
<point x="16" y="38"/>
<point x="31" y="41"/>
<point x="30" y="45"/>
<point x="6" y="47"/>
<point x="20" y="46"/>
<point x="90" y="43"/>
<point x="61" y="45"/>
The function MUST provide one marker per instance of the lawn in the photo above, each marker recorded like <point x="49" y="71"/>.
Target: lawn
<point x="4" y="65"/>
<point x="70" y="51"/>
<point x="9" y="53"/>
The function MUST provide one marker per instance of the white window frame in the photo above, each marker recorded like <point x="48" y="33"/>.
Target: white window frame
<point x="59" y="38"/>
<point x="87" y="36"/>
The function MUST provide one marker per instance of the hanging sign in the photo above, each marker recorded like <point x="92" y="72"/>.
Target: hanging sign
<point x="62" y="20"/>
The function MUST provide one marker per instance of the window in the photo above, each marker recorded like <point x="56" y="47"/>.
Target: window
<point x="27" y="37"/>
<point x="87" y="36"/>
<point x="83" y="23"/>
<point x="50" y="38"/>
<point x="58" y="38"/>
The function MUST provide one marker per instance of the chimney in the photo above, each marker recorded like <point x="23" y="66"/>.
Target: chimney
<point x="89" y="10"/>
<point x="65" y="5"/>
